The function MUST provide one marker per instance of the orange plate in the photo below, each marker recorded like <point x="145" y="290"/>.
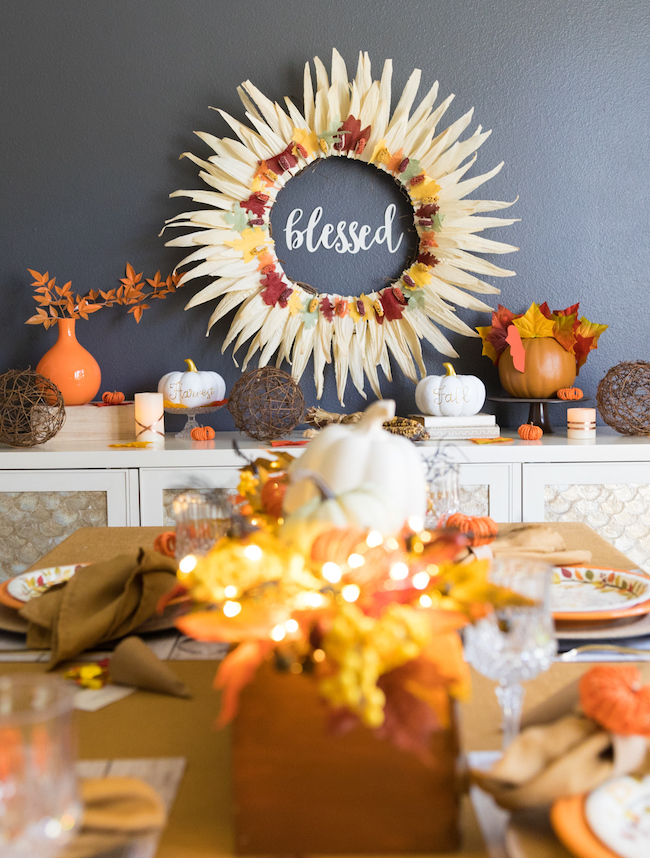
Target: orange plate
<point x="570" y="825"/>
<point x="611" y="614"/>
<point x="6" y="599"/>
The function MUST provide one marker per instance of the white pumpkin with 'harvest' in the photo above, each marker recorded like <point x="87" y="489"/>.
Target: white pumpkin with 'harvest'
<point x="191" y="388"/>
<point x="450" y="395"/>
<point x="364" y="456"/>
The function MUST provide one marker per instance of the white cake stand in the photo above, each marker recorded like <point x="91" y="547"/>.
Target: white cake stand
<point x="191" y="414"/>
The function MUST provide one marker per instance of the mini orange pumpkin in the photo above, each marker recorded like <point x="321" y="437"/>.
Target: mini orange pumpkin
<point x="165" y="543"/>
<point x="115" y="397"/>
<point x="571" y="393"/>
<point x="272" y="494"/>
<point x="530" y="432"/>
<point x="615" y="698"/>
<point x="202" y="433"/>
<point x="480" y="528"/>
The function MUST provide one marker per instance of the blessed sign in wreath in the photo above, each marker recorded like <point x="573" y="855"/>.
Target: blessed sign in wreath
<point x="358" y="333"/>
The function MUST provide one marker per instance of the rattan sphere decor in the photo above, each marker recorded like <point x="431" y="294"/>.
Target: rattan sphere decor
<point x="623" y="397"/>
<point x="266" y="403"/>
<point x="31" y="408"/>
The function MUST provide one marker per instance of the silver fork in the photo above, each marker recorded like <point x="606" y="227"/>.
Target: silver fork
<point x="571" y="654"/>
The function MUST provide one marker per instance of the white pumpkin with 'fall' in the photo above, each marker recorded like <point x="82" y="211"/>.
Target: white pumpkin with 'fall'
<point x="450" y="395"/>
<point x="364" y="456"/>
<point x="191" y="388"/>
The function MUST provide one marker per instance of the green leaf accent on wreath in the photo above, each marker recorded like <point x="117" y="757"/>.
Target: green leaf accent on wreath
<point x="238" y="219"/>
<point x="437" y="221"/>
<point x="416" y="299"/>
<point x="331" y="134"/>
<point x="413" y="169"/>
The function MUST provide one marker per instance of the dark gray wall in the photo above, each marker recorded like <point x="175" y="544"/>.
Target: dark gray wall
<point x="99" y="99"/>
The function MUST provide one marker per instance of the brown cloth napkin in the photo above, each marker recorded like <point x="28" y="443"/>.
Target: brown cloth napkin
<point x="134" y="663"/>
<point x="115" y="810"/>
<point x="101" y="602"/>
<point x="560" y="753"/>
<point x="538" y="542"/>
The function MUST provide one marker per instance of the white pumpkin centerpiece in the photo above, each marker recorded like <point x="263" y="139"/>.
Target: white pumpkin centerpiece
<point x="358" y="460"/>
<point x="450" y="395"/>
<point x="191" y="388"/>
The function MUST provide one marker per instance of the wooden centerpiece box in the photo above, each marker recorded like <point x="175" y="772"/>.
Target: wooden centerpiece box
<point x="299" y="789"/>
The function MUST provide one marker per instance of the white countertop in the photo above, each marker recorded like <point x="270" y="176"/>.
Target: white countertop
<point x="609" y="446"/>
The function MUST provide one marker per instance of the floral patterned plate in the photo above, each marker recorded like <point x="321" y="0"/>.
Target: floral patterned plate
<point x="570" y="825"/>
<point x="27" y="586"/>
<point x="618" y="813"/>
<point x="590" y="593"/>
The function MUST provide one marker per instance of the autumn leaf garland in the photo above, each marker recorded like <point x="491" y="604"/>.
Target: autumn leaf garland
<point x="576" y="335"/>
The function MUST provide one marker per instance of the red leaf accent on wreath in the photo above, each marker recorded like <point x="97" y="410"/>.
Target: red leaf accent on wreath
<point x="568" y="312"/>
<point x="428" y="259"/>
<point x="274" y="288"/>
<point x="544" y="310"/>
<point x="283" y="161"/>
<point x="254" y="205"/>
<point x="350" y="133"/>
<point x="392" y="306"/>
<point x="327" y="309"/>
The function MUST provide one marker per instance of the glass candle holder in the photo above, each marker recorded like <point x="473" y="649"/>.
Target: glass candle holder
<point x="581" y="423"/>
<point x="39" y="804"/>
<point x="443" y="493"/>
<point x="201" y="519"/>
<point x="149" y="417"/>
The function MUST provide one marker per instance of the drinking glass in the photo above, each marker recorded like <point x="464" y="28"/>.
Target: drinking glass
<point x="443" y="493"/>
<point x="201" y="519"/>
<point x="514" y="643"/>
<point x="39" y="804"/>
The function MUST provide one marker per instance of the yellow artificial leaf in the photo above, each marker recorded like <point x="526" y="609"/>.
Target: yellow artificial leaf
<point x="427" y="188"/>
<point x="488" y="348"/>
<point x="355" y="315"/>
<point x="295" y="303"/>
<point x="380" y="154"/>
<point x="307" y="139"/>
<point x="251" y="243"/>
<point x="590" y="329"/>
<point x="420" y="274"/>
<point x="534" y="324"/>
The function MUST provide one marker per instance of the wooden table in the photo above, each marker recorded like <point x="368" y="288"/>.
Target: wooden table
<point x="145" y="724"/>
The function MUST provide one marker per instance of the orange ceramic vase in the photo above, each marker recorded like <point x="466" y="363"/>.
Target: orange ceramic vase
<point x="71" y="367"/>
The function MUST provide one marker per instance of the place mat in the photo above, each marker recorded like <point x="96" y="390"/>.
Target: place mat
<point x="164" y="774"/>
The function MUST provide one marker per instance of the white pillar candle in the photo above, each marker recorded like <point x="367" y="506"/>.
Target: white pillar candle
<point x="149" y="417"/>
<point x="581" y="423"/>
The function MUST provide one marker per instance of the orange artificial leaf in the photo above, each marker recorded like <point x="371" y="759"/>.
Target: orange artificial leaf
<point x="214" y="625"/>
<point x="236" y="670"/>
<point x="39" y="279"/>
<point x="513" y="338"/>
<point x="534" y="324"/>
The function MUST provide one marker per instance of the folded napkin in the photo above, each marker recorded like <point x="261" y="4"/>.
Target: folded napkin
<point x="115" y="810"/>
<point x="101" y="602"/>
<point x="135" y="664"/>
<point x="538" y="542"/>
<point x="559" y="753"/>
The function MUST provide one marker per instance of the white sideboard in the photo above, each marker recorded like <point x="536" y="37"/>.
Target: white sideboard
<point x="47" y="492"/>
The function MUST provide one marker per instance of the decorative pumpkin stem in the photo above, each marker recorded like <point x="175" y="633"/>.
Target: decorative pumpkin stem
<point x="326" y="492"/>
<point x="449" y="368"/>
<point x="191" y="366"/>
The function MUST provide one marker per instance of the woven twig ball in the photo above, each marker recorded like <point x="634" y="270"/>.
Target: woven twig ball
<point x="623" y="397"/>
<point x="31" y="408"/>
<point x="266" y="403"/>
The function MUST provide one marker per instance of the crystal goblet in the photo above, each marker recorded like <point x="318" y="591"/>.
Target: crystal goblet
<point x="514" y="643"/>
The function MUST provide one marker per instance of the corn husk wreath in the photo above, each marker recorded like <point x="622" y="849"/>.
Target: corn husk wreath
<point x="349" y="119"/>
